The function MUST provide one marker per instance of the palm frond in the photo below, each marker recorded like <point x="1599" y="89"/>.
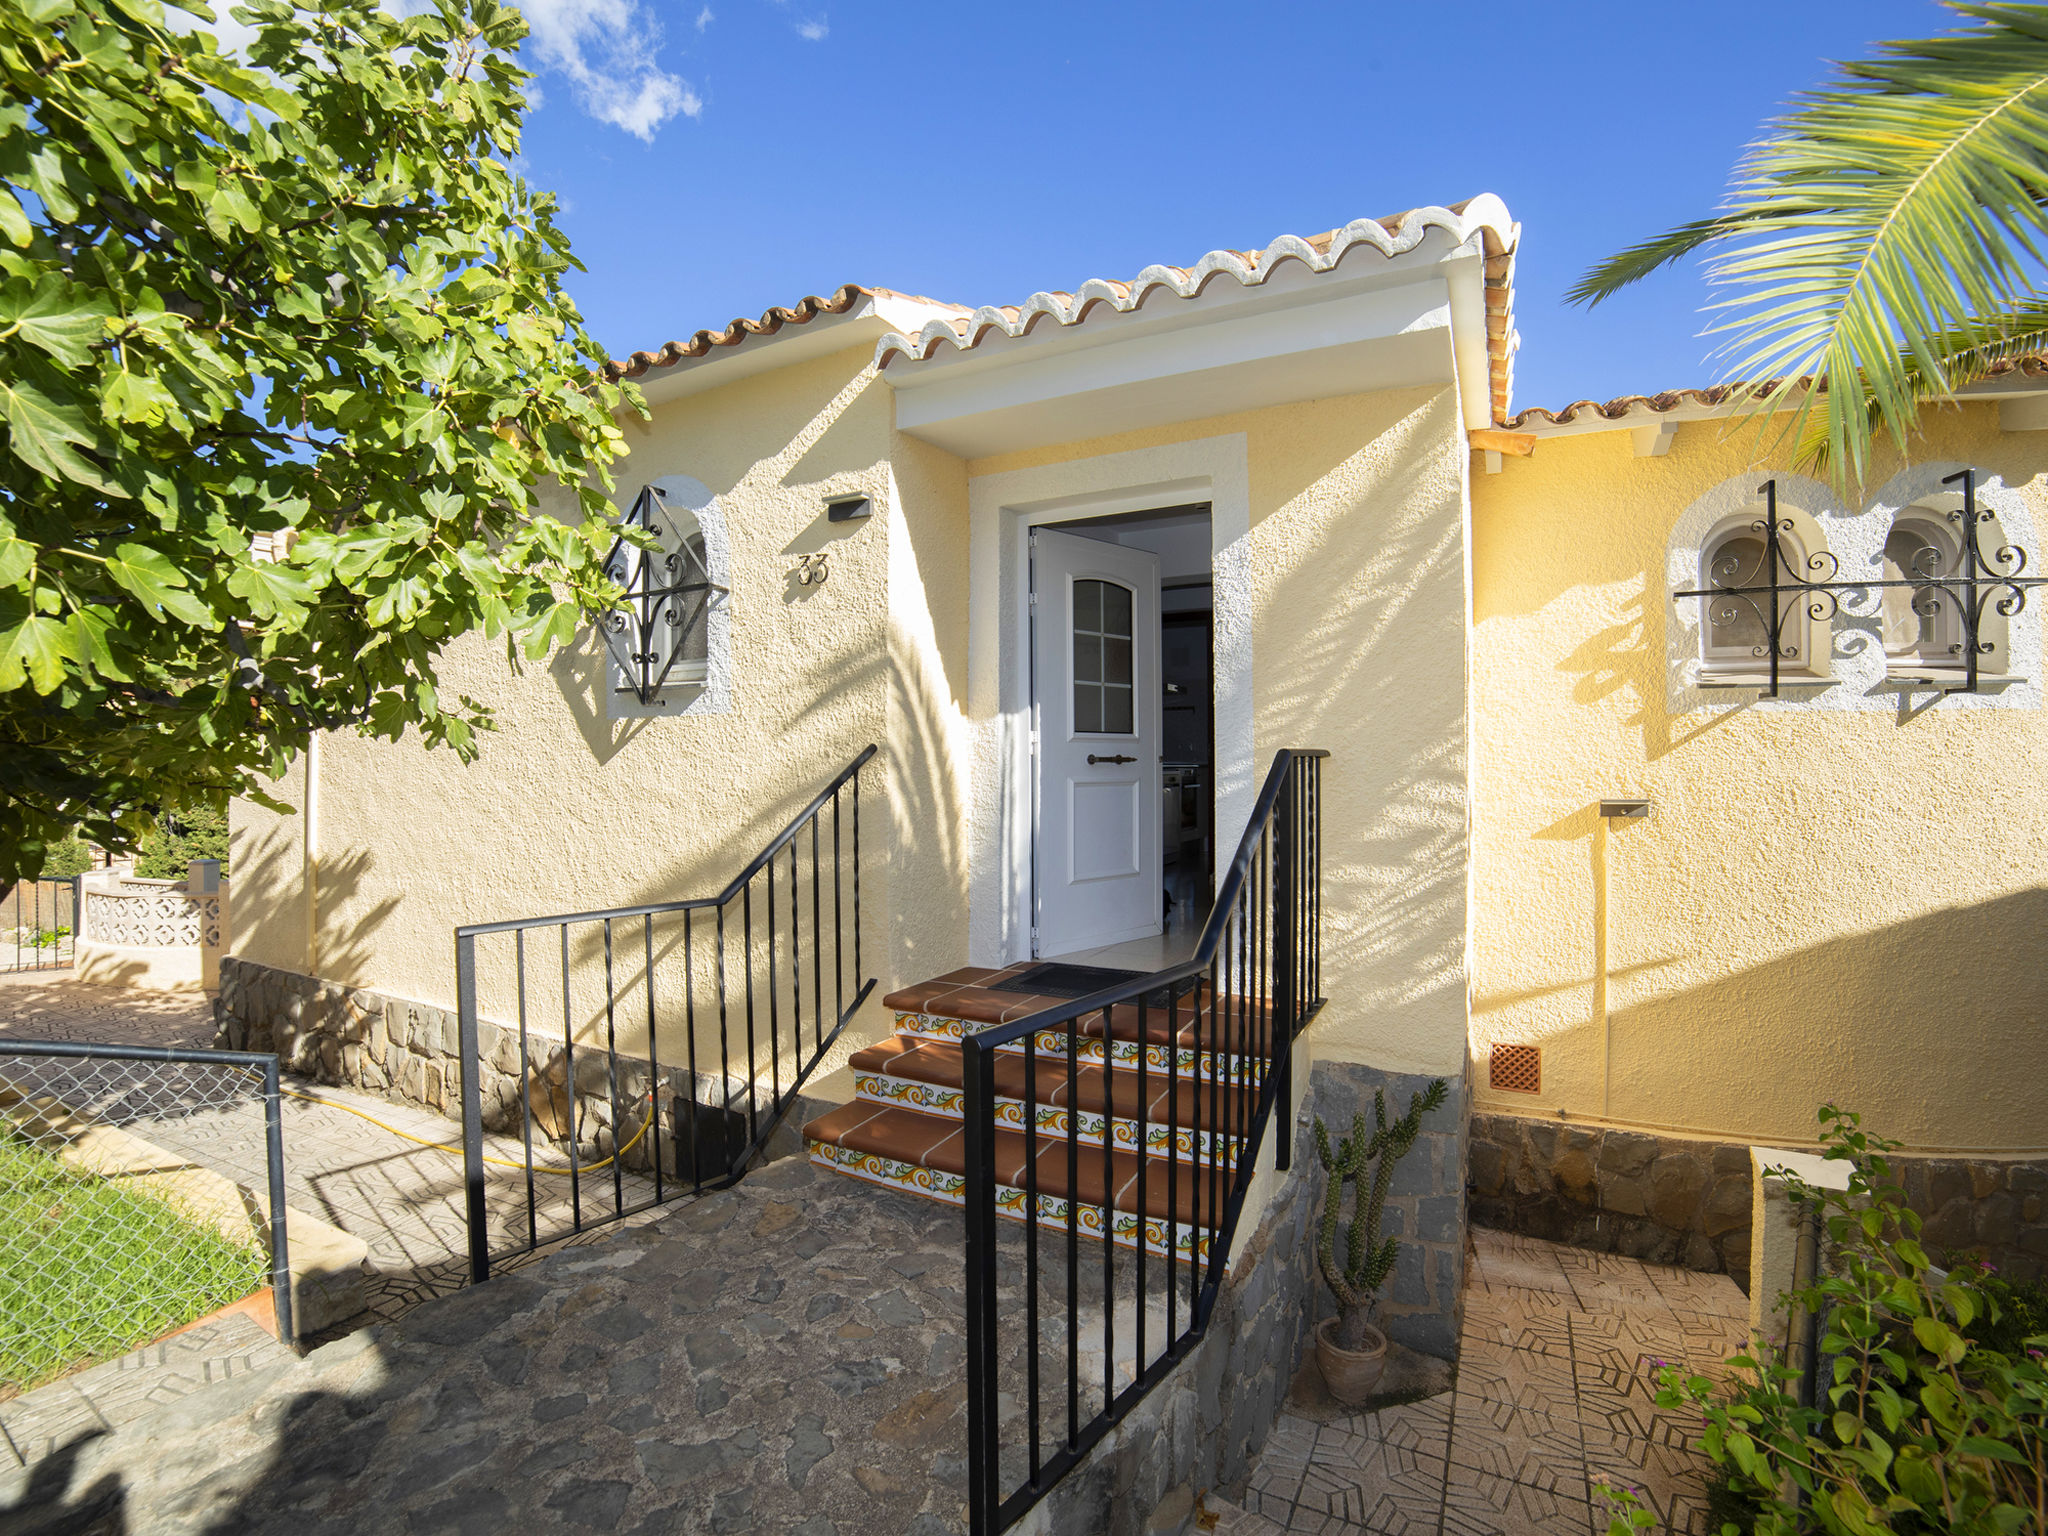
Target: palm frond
<point x="1886" y="239"/>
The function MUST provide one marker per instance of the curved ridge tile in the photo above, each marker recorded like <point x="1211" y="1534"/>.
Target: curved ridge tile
<point x="1484" y="218"/>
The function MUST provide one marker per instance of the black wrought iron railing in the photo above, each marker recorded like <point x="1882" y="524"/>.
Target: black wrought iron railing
<point x="678" y="1034"/>
<point x="1140" y="1113"/>
<point x="39" y="925"/>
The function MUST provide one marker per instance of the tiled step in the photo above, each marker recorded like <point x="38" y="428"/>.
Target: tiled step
<point x="926" y="1076"/>
<point x="926" y="1155"/>
<point x="1184" y="1038"/>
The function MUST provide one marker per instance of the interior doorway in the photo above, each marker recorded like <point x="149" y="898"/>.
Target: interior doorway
<point x="1123" y="852"/>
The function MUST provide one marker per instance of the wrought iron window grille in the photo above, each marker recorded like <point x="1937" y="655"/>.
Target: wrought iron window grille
<point x="668" y="599"/>
<point x="1779" y="595"/>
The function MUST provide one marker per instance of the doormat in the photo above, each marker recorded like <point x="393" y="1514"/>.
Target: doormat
<point x="1057" y="978"/>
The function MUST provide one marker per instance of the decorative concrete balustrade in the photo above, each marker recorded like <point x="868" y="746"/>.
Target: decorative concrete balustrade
<point x="153" y="933"/>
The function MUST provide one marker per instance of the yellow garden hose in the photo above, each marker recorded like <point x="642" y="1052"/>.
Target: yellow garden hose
<point x="442" y="1146"/>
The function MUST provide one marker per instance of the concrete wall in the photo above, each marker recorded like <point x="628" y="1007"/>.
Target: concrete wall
<point x="569" y="809"/>
<point x="1839" y="896"/>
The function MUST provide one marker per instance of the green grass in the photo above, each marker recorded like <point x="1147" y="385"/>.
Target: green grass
<point x="89" y="1270"/>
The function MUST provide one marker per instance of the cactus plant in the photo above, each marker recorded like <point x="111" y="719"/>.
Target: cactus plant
<point x="1368" y="1258"/>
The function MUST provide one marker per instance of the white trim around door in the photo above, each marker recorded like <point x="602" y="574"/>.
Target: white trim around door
<point x="1002" y="509"/>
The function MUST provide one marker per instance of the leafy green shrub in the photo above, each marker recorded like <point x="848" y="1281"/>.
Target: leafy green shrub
<point x="1932" y="1410"/>
<point x="175" y="841"/>
<point x="67" y="858"/>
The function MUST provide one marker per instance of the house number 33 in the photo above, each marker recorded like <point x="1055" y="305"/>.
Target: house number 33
<point x="811" y="571"/>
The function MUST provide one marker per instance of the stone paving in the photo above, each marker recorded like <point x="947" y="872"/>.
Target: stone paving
<point x="403" y="1199"/>
<point x="784" y="1356"/>
<point x="1555" y="1389"/>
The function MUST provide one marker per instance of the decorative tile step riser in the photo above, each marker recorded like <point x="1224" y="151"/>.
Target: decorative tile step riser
<point x="950" y="1103"/>
<point x="1189" y="1244"/>
<point x="1184" y="1062"/>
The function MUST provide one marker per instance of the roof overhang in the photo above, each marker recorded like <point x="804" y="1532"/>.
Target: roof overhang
<point x="1364" y="309"/>
<point x="2009" y="384"/>
<point x="851" y="317"/>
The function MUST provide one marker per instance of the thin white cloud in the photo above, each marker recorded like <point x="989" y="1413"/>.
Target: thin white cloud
<point x="607" y="51"/>
<point x="812" y="31"/>
<point x="705" y="18"/>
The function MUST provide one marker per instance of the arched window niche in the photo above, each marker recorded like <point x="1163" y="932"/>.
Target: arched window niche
<point x="1927" y="624"/>
<point x="1750" y="597"/>
<point x="672" y="655"/>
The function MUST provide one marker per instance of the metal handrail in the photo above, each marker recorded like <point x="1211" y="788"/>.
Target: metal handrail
<point x="789" y="1061"/>
<point x="738" y="883"/>
<point x="1204" y="955"/>
<point x="1260" y="953"/>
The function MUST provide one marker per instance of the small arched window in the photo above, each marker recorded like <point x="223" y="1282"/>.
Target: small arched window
<point x="658" y="644"/>
<point x="1922" y="625"/>
<point x="1740" y="612"/>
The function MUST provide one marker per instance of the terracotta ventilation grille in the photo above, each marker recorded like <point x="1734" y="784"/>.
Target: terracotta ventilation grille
<point x="1516" y="1069"/>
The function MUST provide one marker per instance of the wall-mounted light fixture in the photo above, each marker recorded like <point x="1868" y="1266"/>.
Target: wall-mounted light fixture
<point x="847" y="509"/>
<point x="1625" y="810"/>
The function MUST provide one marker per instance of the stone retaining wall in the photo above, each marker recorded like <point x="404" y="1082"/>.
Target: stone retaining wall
<point x="1670" y="1200"/>
<point x="1423" y="1305"/>
<point x="1660" y="1198"/>
<point x="407" y="1051"/>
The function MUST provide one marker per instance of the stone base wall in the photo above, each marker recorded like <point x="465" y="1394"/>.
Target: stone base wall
<point x="1660" y="1198"/>
<point x="1423" y="1304"/>
<point x="1676" y="1201"/>
<point x="408" y="1051"/>
<point x="1201" y="1427"/>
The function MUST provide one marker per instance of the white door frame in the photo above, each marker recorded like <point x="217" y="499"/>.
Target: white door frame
<point x="1002" y="509"/>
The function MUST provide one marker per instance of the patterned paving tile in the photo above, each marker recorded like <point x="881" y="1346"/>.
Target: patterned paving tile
<point x="1481" y="1505"/>
<point x="1556" y="1391"/>
<point x="1669" y="1479"/>
<point x="1517" y="1377"/>
<point x="1694" y="1292"/>
<point x="1539" y="1450"/>
<point x="1537" y="1321"/>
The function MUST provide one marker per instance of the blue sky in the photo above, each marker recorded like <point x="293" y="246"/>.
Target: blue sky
<point x="714" y="159"/>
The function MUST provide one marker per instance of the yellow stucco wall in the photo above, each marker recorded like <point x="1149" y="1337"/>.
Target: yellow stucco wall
<point x="1839" y="904"/>
<point x="1358" y="570"/>
<point x="567" y="809"/>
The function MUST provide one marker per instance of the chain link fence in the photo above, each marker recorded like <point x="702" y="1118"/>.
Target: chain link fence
<point x="109" y="1240"/>
<point x="39" y="925"/>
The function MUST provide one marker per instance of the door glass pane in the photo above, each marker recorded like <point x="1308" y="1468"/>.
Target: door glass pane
<point x="1088" y="606"/>
<point x="1116" y="660"/>
<point x="1116" y="711"/>
<point x="1087" y="708"/>
<point x="1104" y="699"/>
<point x="1116" y="609"/>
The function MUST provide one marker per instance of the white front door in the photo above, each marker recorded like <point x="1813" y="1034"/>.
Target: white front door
<point x="1095" y="676"/>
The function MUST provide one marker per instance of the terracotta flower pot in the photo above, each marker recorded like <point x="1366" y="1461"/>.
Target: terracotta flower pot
<point x="1350" y="1374"/>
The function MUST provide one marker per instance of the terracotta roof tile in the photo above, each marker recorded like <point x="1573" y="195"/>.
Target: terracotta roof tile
<point x="842" y="299"/>
<point x="1484" y="218"/>
<point x="1625" y="406"/>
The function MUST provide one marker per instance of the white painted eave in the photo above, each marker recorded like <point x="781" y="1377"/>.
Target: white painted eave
<point x="1369" y="322"/>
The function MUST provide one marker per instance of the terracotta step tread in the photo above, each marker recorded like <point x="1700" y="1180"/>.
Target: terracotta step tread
<point x="1197" y="1105"/>
<point x="938" y="1144"/>
<point x="965" y="994"/>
